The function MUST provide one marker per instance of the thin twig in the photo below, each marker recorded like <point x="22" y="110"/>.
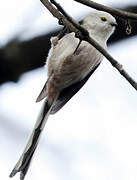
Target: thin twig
<point x="128" y="27"/>
<point x="114" y="11"/>
<point x="62" y="19"/>
<point x="85" y="36"/>
<point x="69" y="18"/>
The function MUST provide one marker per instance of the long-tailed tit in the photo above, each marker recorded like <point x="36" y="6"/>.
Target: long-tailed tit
<point x="69" y="67"/>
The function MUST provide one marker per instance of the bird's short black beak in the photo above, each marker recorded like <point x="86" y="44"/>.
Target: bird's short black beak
<point x="114" y="24"/>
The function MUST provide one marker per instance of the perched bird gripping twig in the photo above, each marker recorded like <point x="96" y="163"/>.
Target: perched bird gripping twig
<point x="70" y="64"/>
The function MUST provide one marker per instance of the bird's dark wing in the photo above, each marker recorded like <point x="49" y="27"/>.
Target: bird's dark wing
<point x="67" y="93"/>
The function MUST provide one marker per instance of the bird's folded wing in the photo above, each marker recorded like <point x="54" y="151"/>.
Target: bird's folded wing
<point x="67" y="93"/>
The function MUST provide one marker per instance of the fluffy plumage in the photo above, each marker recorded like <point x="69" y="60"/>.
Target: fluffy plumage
<point x="68" y="71"/>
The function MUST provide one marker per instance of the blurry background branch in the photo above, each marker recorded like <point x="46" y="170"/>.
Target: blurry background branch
<point x="18" y="57"/>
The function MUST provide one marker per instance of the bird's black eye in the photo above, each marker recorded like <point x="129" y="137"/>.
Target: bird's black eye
<point x="104" y="18"/>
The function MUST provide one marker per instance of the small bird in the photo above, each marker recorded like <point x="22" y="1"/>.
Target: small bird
<point x="69" y="65"/>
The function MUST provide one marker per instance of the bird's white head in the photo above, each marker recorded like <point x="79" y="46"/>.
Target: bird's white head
<point x="100" y="24"/>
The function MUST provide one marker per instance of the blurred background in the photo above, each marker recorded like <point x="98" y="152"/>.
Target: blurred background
<point x="95" y="135"/>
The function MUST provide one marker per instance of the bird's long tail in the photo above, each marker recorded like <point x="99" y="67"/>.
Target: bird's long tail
<point x="23" y="164"/>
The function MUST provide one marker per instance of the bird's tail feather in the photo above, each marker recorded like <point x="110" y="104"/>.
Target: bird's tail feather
<point x="23" y="164"/>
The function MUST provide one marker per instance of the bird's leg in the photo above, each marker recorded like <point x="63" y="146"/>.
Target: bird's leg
<point x="77" y="46"/>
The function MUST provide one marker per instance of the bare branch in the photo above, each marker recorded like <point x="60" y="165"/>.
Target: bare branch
<point x="70" y="19"/>
<point x="62" y="19"/>
<point x="114" y="11"/>
<point x="82" y="34"/>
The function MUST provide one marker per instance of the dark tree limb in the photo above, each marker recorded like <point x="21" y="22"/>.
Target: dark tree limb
<point x="18" y="57"/>
<point x="82" y="34"/>
<point x="114" y="11"/>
